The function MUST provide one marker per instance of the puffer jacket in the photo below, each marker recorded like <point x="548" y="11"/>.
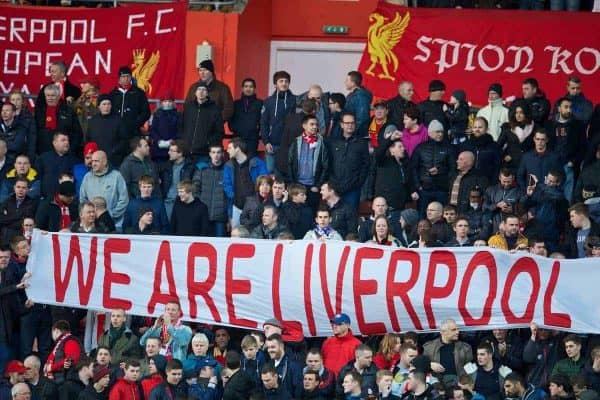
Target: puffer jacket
<point x="431" y="154"/>
<point x="208" y="184"/>
<point x="202" y="125"/>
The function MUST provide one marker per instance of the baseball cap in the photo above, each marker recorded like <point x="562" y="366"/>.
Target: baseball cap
<point x="273" y="322"/>
<point x="15" y="366"/>
<point x="339" y="319"/>
<point x="90" y="147"/>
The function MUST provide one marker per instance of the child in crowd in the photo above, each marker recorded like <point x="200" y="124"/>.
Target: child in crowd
<point x="295" y="214"/>
<point x="253" y="359"/>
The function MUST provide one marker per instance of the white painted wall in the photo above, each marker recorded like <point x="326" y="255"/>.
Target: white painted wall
<point x="323" y="63"/>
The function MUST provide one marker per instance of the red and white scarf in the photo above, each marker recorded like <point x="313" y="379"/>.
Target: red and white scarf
<point x="165" y="336"/>
<point x="52" y="357"/>
<point x="311" y="140"/>
<point x="65" y="215"/>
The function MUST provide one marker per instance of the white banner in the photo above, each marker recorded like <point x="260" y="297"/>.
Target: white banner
<point x="242" y="282"/>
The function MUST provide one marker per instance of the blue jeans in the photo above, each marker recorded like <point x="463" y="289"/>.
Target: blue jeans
<point x="569" y="183"/>
<point x="220" y="229"/>
<point x="426" y="197"/>
<point x="270" y="160"/>
<point x="561" y="5"/>
<point x="352" y="198"/>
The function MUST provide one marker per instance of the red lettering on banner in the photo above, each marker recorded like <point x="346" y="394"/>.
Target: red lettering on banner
<point x="83" y="286"/>
<point x="202" y="288"/>
<point x="438" y="257"/>
<point x="163" y="259"/>
<point x="480" y="259"/>
<point x="293" y="325"/>
<point x="339" y="283"/>
<point x="310" y="317"/>
<point x="528" y="266"/>
<point x="237" y="286"/>
<point x="118" y="246"/>
<point x="550" y="318"/>
<point x="401" y="289"/>
<point x="363" y="287"/>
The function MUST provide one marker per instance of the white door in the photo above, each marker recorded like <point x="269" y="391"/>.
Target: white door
<point x="322" y="63"/>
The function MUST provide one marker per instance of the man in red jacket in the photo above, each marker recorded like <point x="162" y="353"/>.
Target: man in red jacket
<point x="338" y="350"/>
<point x="127" y="387"/>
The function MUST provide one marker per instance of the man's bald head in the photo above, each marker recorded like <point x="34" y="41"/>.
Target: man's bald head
<point x="465" y="161"/>
<point x="99" y="161"/>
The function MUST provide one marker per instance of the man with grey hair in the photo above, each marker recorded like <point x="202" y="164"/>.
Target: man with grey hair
<point x="400" y="103"/>
<point x="20" y="391"/>
<point x="102" y="214"/>
<point x="463" y="180"/>
<point x="55" y="115"/>
<point x="58" y="76"/>
<point x="448" y="355"/>
<point x="41" y="387"/>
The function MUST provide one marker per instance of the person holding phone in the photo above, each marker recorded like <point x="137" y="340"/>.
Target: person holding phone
<point x="175" y="336"/>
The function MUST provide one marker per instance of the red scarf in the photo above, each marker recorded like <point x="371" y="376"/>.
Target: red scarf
<point x="165" y="336"/>
<point x="309" y="139"/>
<point x="52" y="356"/>
<point x="65" y="216"/>
<point x="51" y="117"/>
<point x="125" y="87"/>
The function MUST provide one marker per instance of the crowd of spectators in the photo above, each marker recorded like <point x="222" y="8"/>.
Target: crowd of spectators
<point x="523" y="176"/>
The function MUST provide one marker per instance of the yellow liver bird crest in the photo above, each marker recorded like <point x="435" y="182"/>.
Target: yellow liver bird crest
<point x="143" y="70"/>
<point x="382" y="38"/>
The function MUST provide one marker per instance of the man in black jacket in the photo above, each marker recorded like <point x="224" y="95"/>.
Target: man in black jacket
<point x="433" y="108"/>
<point x="77" y="379"/>
<point x="202" y="124"/>
<point x="349" y="163"/>
<point x="18" y="206"/>
<point x="245" y="122"/>
<point x="533" y="95"/>
<point x="41" y="387"/>
<point x="67" y="91"/>
<point x="344" y="218"/>
<point x="178" y="168"/>
<point x="108" y="131"/>
<point x="362" y="365"/>
<point x="240" y="384"/>
<point x="463" y="180"/>
<point x="51" y="164"/>
<point x="130" y="103"/>
<point x="392" y="180"/>
<point x="190" y="215"/>
<point x="566" y="136"/>
<point x="54" y="116"/>
<point x="57" y="212"/>
<point x="431" y="164"/>
<point x="12" y="131"/>
<point x="400" y="103"/>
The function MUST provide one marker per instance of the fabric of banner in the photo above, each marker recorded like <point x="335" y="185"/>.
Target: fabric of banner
<point x="149" y="38"/>
<point x="245" y="282"/>
<point x="471" y="49"/>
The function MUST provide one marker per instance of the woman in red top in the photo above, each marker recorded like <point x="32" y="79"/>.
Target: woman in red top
<point x="389" y="352"/>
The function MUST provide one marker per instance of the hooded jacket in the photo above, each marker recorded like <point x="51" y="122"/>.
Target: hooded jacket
<point x="208" y="184"/>
<point x="125" y="390"/>
<point x="495" y="114"/>
<point x="274" y="110"/>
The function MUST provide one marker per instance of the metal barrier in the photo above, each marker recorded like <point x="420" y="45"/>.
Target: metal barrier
<point x="215" y="3"/>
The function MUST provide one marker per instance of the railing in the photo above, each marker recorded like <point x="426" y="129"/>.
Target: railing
<point x="217" y="4"/>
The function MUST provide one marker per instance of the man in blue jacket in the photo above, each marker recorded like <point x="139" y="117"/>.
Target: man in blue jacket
<point x="358" y="102"/>
<point x="275" y="108"/>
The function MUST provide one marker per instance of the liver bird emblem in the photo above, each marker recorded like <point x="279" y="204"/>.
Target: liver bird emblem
<point x="143" y="70"/>
<point x="382" y="38"/>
